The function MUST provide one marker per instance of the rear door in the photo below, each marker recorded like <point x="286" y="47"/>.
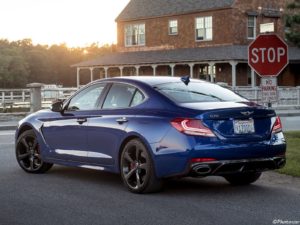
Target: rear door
<point x="106" y="131"/>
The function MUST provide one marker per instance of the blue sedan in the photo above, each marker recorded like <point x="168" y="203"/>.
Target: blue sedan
<point x="149" y="129"/>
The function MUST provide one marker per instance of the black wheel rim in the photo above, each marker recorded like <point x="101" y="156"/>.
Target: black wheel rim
<point x="28" y="153"/>
<point x="134" y="166"/>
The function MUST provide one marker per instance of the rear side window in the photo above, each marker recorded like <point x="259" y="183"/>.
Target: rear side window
<point x="137" y="98"/>
<point x="197" y="92"/>
<point x="122" y="96"/>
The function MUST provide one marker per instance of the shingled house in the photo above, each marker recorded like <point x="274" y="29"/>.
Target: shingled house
<point x="206" y="39"/>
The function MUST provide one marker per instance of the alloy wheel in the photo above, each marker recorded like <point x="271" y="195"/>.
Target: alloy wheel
<point x="28" y="153"/>
<point x="135" y="166"/>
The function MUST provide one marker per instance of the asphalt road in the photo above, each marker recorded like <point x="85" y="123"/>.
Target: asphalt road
<point x="80" y="196"/>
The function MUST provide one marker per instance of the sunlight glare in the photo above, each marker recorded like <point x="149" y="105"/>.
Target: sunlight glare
<point x="75" y="23"/>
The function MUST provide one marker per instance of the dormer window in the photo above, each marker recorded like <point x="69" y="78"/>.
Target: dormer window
<point x="204" y="29"/>
<point x="173" y="27"/>
<point x="135" y="35"/>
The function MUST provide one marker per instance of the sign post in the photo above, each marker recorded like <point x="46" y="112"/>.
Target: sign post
<point x="268" y="56"/>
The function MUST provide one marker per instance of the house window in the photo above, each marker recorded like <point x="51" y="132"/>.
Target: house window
<point x="173" y="27"/>
<point x="251" y="27"/>
<point x="134" y="35"/>
<point x="204" y="28"/>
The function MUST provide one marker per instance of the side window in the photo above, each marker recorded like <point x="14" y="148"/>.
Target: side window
<point x="137" y="98"/>
<point x="122" y="96"/>
<point x="86" y="99"/>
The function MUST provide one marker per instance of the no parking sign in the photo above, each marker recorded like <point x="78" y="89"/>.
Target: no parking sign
<point x="269" y="89"/>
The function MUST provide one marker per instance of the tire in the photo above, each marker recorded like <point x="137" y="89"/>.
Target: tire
<point x="242" y="178"/>
<point x="137" y="168"/>
<point x="28" y="154"/>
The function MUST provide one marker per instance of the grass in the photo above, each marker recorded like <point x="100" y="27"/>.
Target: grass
<point x="293" y="154"/>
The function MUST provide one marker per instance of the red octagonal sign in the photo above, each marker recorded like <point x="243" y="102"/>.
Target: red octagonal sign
<point x="268" y="55"/>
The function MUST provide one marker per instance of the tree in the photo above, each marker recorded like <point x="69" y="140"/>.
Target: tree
<point x="14" y="69"/>
<point x="293" y="22"/>
<point x="21" y="62"/>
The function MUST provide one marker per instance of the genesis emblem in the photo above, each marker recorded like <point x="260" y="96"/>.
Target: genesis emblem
<point x="247" y="113"/>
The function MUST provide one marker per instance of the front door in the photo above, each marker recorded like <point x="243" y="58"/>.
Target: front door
<point x="66" y="135"/>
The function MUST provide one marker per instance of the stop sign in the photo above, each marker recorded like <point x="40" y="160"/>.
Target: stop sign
<point x="268" y="55"/>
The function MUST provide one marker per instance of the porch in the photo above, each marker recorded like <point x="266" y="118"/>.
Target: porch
<point x="225" y="64"/>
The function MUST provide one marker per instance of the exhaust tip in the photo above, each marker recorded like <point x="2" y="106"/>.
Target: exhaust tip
<point x="202" y="170"/>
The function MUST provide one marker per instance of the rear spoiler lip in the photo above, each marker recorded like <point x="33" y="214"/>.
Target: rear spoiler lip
<point x="236" y="113"/>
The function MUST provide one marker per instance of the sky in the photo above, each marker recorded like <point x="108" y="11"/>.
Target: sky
<point x="77" y="23"/>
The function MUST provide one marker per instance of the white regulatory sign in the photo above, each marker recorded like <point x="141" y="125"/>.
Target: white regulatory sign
<point x="269" y="89"/>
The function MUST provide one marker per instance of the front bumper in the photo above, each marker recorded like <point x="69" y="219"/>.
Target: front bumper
<point x="225" y="167"/>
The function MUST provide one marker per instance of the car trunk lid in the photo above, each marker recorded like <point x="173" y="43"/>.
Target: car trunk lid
<point x="235" y="122"/>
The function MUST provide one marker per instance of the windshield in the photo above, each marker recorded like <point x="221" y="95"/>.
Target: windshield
<point x="198" y="92"/>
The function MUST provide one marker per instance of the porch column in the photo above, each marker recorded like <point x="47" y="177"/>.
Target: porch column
<point x="121" y="70"/>
<point x="92" y="73"/>
<point x="172" y="69"/>
<point x="78" y="77"/>
<point x="105" y="72"/>
<point x="253" y="78"/>
<point x="137" y="70"/>
<point x="191" y="70"/>
<point x="233" y="66"/>
<point x="211" y="66"/>
<point x="154" y="70"/>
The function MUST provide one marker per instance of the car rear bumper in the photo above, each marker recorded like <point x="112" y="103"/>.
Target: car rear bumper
<point x="174" y="154"/>
<point x="224" y="167"/>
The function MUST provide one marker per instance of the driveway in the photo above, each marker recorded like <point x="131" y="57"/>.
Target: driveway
<point x="80" y="196"/>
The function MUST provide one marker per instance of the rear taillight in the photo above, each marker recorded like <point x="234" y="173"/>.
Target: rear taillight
<point x="191" y="127"/>
<point x="202" y="160"/>
<point x="277" y="127"/>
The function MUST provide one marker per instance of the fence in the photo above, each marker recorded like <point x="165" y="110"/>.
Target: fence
<point x="20" y="98"/>
<point x="287" y="96"/>
<point x="14" y="98"/>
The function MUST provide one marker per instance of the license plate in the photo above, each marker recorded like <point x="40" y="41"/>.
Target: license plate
<point x="243" y="126"/>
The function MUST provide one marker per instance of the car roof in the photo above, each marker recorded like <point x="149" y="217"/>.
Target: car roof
<point x="152" y="80"/>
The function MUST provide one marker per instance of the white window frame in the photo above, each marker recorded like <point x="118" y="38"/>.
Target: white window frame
<point x="139" y="37"/>
<point x="254" y="27"/>
<point x="206" y="25"/>
<point x="172" y="26"/>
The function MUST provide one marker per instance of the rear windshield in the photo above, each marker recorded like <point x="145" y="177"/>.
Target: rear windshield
<point x="198" y="92"/>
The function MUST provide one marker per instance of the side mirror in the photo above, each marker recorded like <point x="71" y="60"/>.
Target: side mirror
<point x="57" y="106"/>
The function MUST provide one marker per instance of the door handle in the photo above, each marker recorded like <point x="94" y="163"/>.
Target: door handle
<point x="81" y="120"/>
<point x="122" y="120"/>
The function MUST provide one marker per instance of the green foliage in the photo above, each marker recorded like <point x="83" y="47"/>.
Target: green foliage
<point x="293" y="154"/>
<point x="21" y="62"/>
<point x="14" y="70"/>
<point x="292" y="19"/>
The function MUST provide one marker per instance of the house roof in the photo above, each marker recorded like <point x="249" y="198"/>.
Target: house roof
<point x="141" y="9"/>
<point x="185" y="55"/>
